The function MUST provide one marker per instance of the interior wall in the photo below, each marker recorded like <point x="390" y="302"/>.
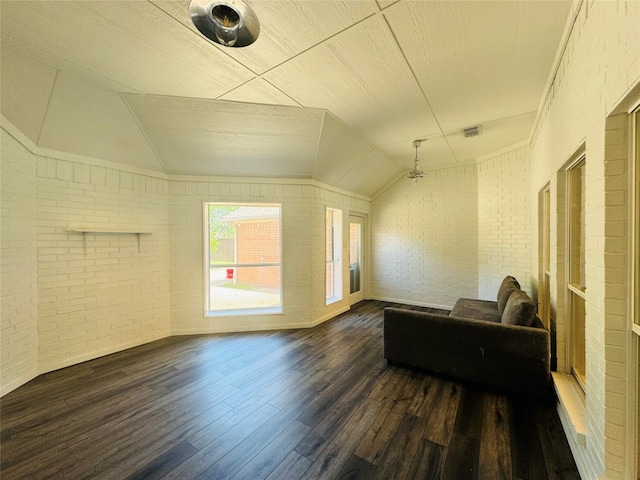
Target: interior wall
<point x="598" y="68"/>
<point x="99" y="293"/>
<point x="504" y="228"/>
<point x="303" y="244"/>
<point x="69" y="297"/>
<point x="18" y="265"/>
<point x="424" y="239"/>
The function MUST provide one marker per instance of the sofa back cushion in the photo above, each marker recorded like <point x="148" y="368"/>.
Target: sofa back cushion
<point x="508" y="285"/>
<point x="519" y="310"/>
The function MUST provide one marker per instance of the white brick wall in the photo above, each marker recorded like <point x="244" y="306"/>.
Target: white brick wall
<point x="303" y="237"/>
<point x="599" y="68"/>
<point x="18" y="265"/>
<point x="504" y="230"/>
<point x="68" y="298"/>
<point x="107" y="296"/>
<point x="62" y="303"/>
<point x="612" y="339"/>
<point x="424" y="239"/>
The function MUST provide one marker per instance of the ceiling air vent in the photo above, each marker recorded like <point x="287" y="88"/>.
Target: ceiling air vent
<point x="472" y="132"/>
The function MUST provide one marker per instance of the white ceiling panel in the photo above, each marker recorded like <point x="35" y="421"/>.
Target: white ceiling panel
<point x="433" y="152"/>
<point x="479" y="60"/>
<point x="94" y="122"/>
<point x="370" y="175"/>
<point x="25" y="93"/>
<point x="287" y="28"/>
<point x="258" y="91"/>
<point x="334" y="90"/>
<point x="494" y="136"/>
<point x="340" y="149"/>
<point x="209" y="137"/>
<point x="132" y="43"/>
<point x="360" y="77"/>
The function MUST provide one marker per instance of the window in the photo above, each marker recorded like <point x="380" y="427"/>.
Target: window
<point x="544" y="292"/>
<point x="576" y="285"/>
<point x="333" y="270"/>
<point x="243" y="259"/>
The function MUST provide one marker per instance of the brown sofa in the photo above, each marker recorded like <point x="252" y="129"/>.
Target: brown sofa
<point x="500" y="344"/>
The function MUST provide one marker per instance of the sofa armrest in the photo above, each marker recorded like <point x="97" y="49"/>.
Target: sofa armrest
<point x="508" y="357"/>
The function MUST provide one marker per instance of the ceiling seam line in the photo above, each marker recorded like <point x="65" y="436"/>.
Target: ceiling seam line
<point x="496" y="120"/>
<point x="198" y="35"/>
<point x="359" y="162"/>
<point x="325" y="40"/>
<point x="144" y="134"/>
<point x="46" y="110"/>
<point x="315" y="158"/>
<point x="415" y="77"/>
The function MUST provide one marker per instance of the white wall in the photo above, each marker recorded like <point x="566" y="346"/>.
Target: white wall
<point x="503" y="221"/>
<point x="303" y="242"/>
<point x="63" y="303"/>
<point x="67" y="298"/>
<point x="599" y="68"/>
<point x="99" y="293"/>
<point x="455" y="233"/>
<point x="424" y="239"/>
<point x="18" y="265"/>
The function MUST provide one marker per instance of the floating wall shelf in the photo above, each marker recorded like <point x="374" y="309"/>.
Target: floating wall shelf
<point x="95" y="231"/>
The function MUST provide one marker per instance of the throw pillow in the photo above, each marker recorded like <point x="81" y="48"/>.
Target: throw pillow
<point x="519" y="310"/>
<point x="508" y="285"/>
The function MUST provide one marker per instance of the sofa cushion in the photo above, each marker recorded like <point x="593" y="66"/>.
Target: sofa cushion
<point x="508" y="285"/>
<point x="478" y="309"/>
<point x="519" y="309"/>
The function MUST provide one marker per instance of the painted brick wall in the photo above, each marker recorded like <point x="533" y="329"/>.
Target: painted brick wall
<point x="598" y="68"/>
<point x="303" y="244"/>
<point x="504" y="229"/>
<point x="612" y="342"/>
<point x="106" y="294"/>
<point x="18" y="265"/>
<point x="424" y="239"/>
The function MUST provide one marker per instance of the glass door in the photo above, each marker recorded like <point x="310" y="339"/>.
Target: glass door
<point x="356" y="273"/>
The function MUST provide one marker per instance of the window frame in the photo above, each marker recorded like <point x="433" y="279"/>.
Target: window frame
<point x="544" y="250"/>
<point x="575" y="294"/>
<point x="335" y="258"/>
<point x="253" y="310"/>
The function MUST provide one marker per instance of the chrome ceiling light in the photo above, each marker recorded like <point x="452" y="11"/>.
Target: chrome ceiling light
<point x="231" y="23"/>
<point x="416" y="173"/>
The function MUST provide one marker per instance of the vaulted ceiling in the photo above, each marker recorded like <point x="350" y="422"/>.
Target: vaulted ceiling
<point x="332" y="90"/>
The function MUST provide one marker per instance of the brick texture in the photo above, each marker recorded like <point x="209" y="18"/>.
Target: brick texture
<point x="303" y="252"/>
<point x="99" y="293"/>
<point x="504" y="229"/>
<point x="424" y="239"/>
<point x="598" y="68"/>
<point x="18" y="265"/>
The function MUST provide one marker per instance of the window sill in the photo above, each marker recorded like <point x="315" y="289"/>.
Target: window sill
<point x="573" y="405"/>
<point x="332" y="300"/>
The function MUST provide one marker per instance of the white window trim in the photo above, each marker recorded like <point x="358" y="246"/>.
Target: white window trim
<point x="633" y="351"/>
<point x="337" y="236"/>
<point x="206" y="263"/>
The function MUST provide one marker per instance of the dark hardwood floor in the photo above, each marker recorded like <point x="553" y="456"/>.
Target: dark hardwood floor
<point x="316" y="403"/>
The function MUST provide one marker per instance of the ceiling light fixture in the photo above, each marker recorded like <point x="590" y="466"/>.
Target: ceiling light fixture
<point x="416" y="173"/>
<point x="231" y="23"/>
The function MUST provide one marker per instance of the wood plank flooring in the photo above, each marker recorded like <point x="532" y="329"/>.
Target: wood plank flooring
<point x="300" y="404"/>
